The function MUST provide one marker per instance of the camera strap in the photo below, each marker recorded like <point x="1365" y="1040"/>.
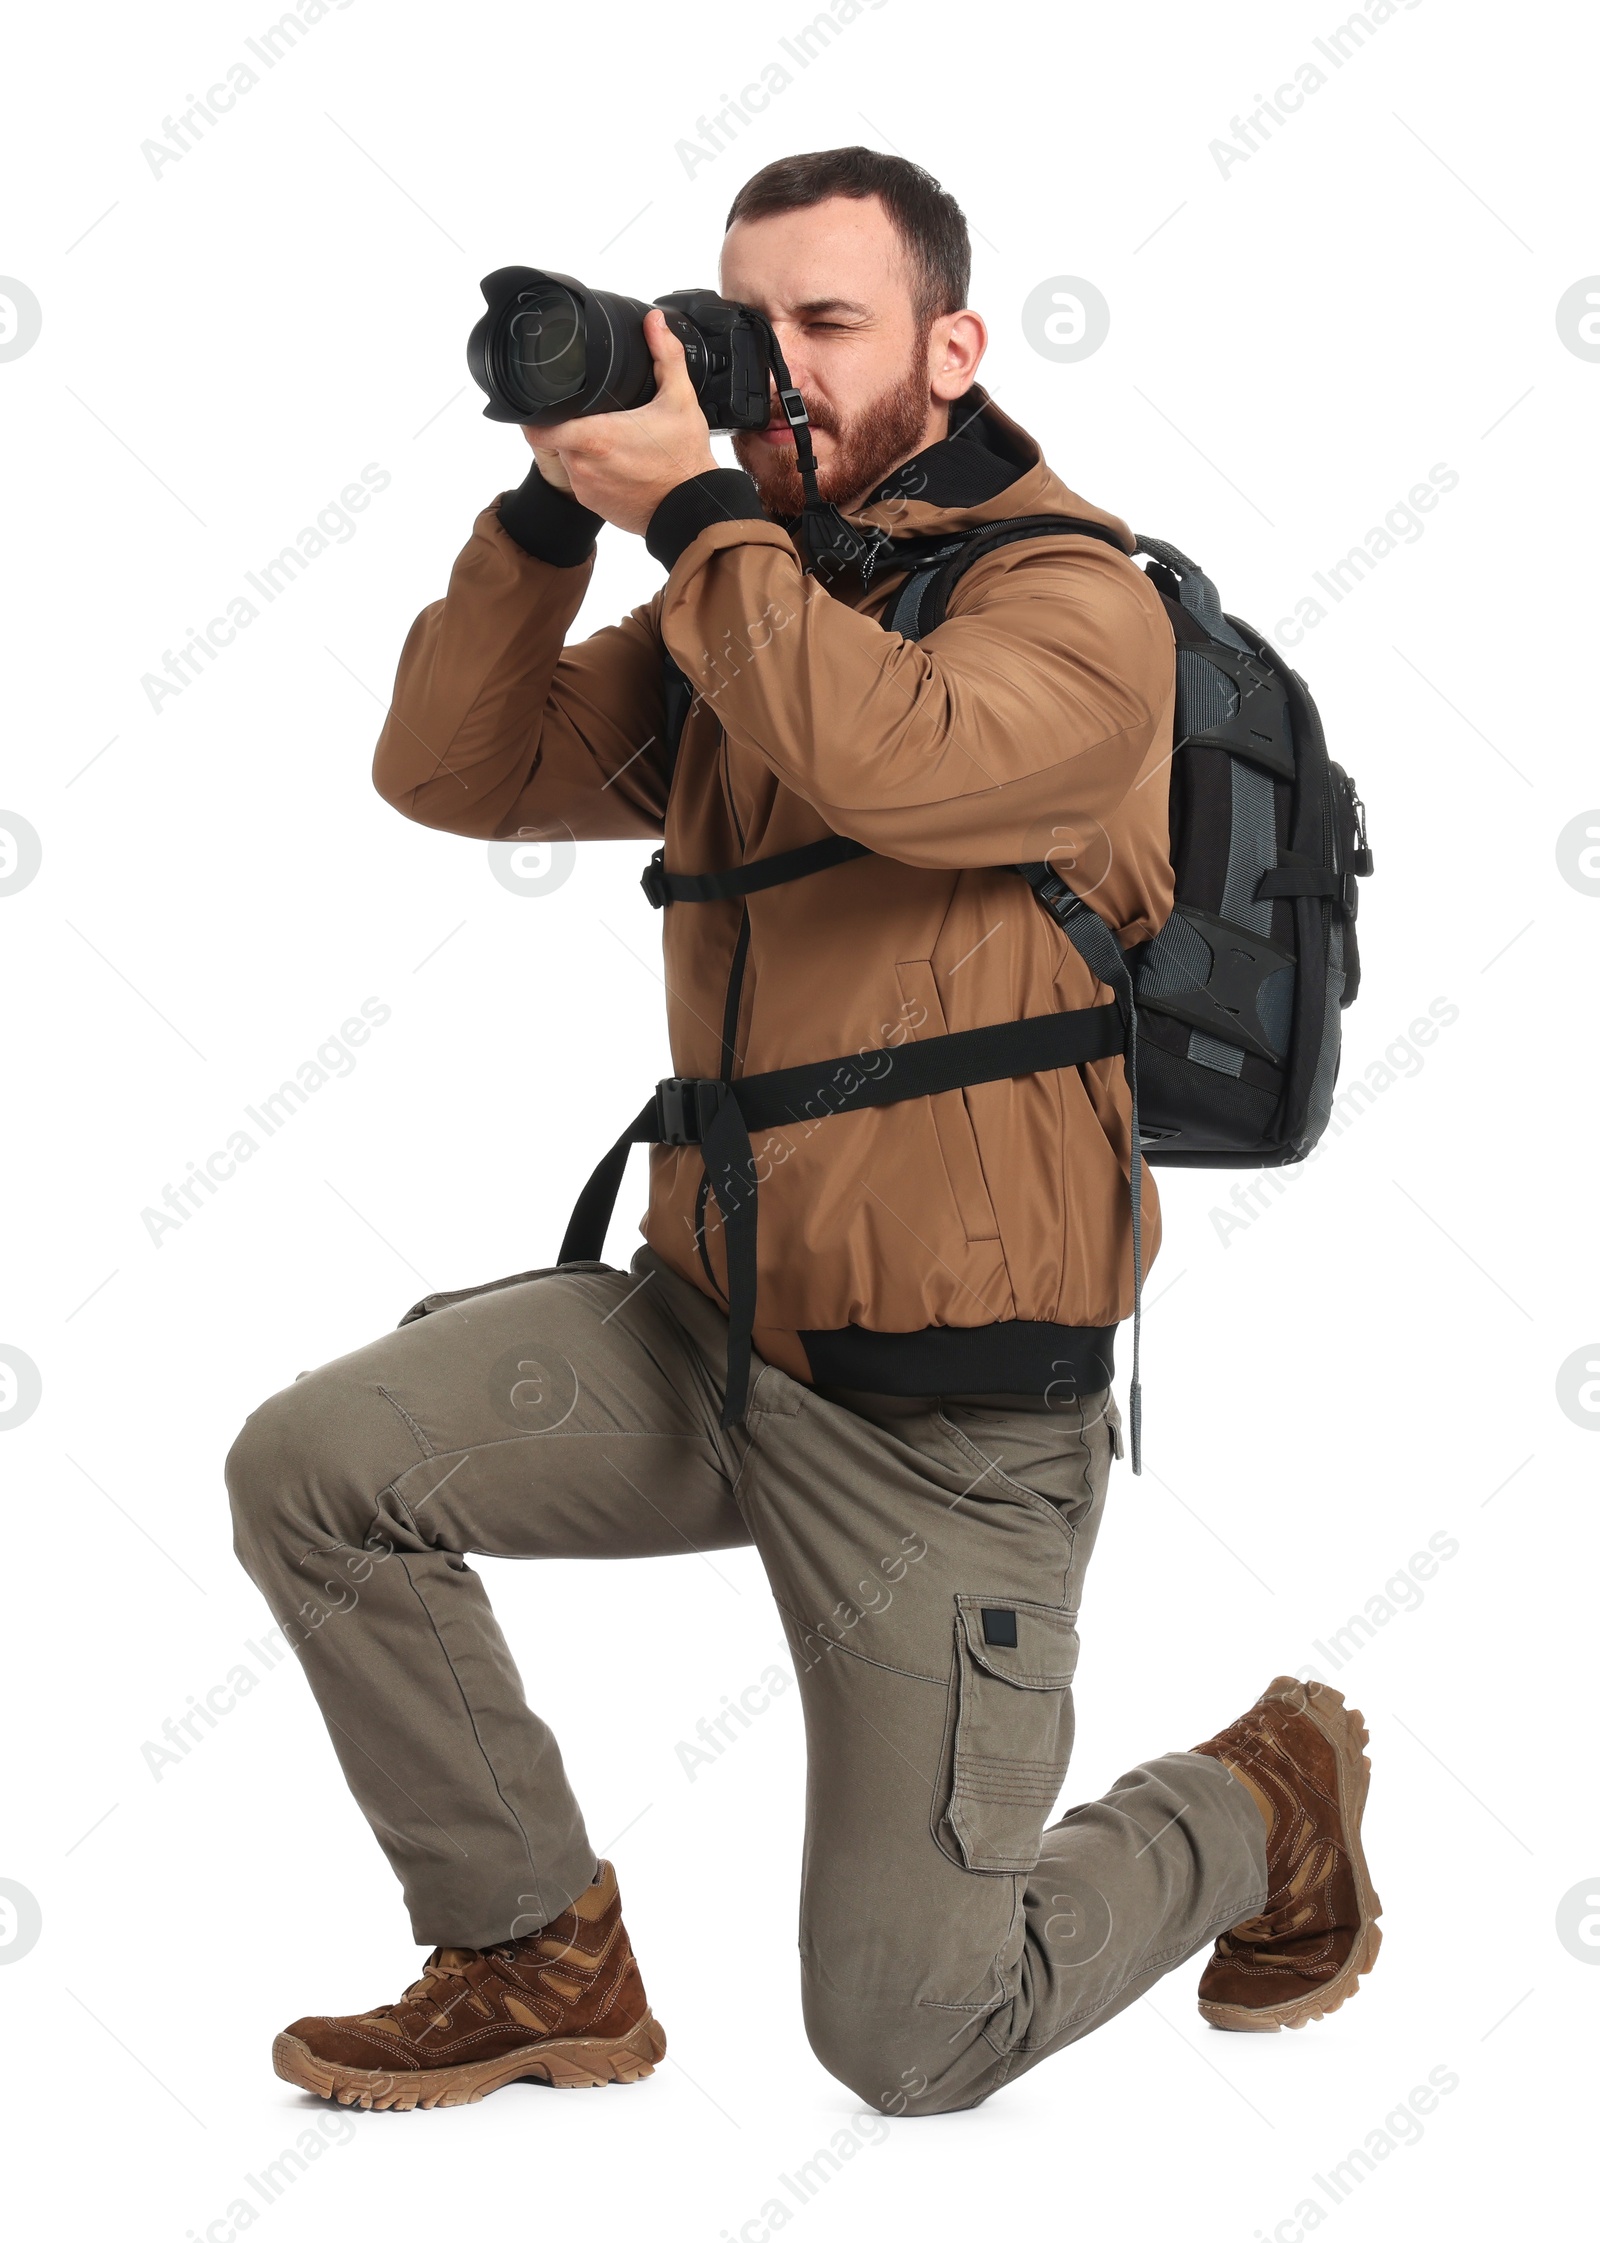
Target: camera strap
<point x="827" y="539"/>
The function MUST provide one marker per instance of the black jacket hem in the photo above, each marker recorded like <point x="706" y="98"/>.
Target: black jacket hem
<point x="1010" y="1358"/>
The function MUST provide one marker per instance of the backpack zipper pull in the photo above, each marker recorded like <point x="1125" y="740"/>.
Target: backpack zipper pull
<point x="1361" y="855"/>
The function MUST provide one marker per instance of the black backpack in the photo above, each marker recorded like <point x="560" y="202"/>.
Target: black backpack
<point x="1239" y="995"/>
<point x="1228" y="1020"/>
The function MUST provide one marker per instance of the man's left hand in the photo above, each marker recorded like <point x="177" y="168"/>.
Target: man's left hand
<point x="622" y="465"/>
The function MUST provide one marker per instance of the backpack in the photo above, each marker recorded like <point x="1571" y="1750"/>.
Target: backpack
<point x="1240" y="994"/>
<point x="1228" y="1020"/>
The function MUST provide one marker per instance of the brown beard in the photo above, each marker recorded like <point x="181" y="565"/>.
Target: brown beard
<point x="887" y="432"/>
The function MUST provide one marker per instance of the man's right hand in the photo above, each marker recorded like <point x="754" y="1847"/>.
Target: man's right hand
<point x="549" y="463"/>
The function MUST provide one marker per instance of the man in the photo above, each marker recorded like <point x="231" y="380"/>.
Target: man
<point x="920" y="1450"/>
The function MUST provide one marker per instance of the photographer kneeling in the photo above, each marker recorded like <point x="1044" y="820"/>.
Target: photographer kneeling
<point x="871" y="1327"/>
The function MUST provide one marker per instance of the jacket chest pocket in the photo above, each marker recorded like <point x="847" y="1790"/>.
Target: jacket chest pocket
<point x="1012" y="1731"/>
<point x="952" y="1122"/>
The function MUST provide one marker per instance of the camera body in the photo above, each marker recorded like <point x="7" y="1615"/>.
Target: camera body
<point x="549" y="349"/>
<point x="725" y="345"/>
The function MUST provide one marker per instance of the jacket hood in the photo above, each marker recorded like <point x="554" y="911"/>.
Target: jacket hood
<point x="988" y="469"/>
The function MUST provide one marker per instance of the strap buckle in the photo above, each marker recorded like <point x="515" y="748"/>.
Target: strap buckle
<point x="794" y="408"/>
<point x="653" y="880"/>
<point x="1059" y="900"/>
<point x="686" y="1106"/>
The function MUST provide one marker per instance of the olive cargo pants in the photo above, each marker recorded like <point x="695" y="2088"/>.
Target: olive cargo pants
<point x="927" y="1559"/>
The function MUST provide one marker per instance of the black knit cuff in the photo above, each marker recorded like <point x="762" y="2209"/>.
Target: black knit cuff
<point x="721" y="494"/>
<point x="549" y="524"/>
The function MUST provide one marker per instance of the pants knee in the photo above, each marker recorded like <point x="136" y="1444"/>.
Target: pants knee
<point x="892" y="2058"/>
<point x="263" y="1472"/>
<point x="306" y="1470"/>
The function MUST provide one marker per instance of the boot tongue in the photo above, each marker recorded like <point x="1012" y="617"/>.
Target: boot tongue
<point x="457" y="1958"/>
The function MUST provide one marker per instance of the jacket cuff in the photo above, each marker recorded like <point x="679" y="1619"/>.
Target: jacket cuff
<point x="549" y="524"/>
<point x="721" y="494"/>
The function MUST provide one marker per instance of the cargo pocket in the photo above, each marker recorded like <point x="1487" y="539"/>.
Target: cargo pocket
<point x="1012" y="1738"/>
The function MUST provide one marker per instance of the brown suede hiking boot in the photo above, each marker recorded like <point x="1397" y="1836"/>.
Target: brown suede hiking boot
<point x="565" y="2005"/>
<point x="1298" y="1750"/>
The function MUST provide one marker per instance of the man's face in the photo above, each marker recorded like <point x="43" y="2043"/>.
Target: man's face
<point x="838" y="288"/>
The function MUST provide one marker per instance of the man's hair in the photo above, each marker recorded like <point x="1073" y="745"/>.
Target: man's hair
<point x="930" y="224"/>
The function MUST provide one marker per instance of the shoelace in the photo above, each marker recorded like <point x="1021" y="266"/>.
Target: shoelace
<point x="421" y="1998"/>
<point x="1261" y="1931"/>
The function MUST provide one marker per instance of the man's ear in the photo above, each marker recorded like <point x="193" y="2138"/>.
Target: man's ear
<point x="956" y="344"/>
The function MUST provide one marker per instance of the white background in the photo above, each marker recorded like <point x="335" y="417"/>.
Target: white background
<point x="1373" y="1360"/>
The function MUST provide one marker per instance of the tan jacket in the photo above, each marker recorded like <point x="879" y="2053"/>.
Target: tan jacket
<point x="1037" y="718"/>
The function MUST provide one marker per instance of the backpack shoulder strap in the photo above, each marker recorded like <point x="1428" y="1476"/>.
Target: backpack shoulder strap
<point x="920" y="604"/>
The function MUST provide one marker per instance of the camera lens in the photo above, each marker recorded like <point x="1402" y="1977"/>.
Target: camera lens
<point x="548" y="349"/>
<point x="545" y="351"/>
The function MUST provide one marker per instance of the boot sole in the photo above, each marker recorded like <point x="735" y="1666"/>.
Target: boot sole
<point x="1346" y="1731"/>
<point x="575" y="2062"/>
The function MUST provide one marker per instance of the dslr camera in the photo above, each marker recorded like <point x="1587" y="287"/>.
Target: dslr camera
<point x="548" y="349"/>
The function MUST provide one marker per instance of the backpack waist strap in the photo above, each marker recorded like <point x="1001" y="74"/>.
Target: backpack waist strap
<point x="718" y="1116"/>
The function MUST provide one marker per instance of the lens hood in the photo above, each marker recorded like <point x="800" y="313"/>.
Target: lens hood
<point x="602" y="365"/>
